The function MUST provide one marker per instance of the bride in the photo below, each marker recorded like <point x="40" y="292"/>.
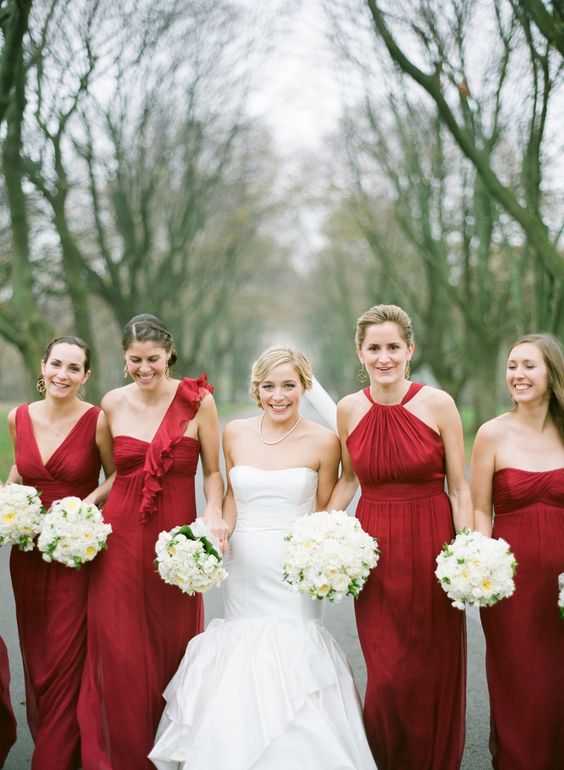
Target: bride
<point x="267" y="688"/>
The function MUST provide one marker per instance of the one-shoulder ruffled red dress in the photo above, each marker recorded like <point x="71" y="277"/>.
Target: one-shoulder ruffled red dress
<point x="525" y="634"/>
<point x="413" y="640"/>
<point x="138" y="626"/>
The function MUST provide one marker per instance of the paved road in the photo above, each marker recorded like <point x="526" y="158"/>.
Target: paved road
<point x="339" y="619"/>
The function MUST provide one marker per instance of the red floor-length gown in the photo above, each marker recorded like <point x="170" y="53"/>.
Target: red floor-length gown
<point x="524" y="634"/>
<point x="138" y="626"/>
<point x="413" y="640"/>
<point x="51" y="598"/>
<point x="7" y="718"/>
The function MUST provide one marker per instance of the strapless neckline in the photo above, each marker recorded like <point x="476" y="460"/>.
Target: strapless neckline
<point x="273" y="470"/>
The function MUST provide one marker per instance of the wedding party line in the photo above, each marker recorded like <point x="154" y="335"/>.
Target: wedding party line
<point x="109" y="559"/>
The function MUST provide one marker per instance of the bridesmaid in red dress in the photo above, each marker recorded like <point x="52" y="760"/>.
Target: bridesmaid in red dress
<point x="59" y="445"/>
<point x="400" y="439"/>
<point x="518" y="470"/>
<point x="7" y="719"/>
<point x="138" y="627"/>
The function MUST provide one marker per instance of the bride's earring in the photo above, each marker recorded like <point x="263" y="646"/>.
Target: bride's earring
<point x="125" y="372"/>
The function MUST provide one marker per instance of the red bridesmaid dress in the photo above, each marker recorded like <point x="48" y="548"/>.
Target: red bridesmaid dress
<point x="51" y="598"/>
<point x="413" y="640"/>
<point x="7" y="719"/>
<point x="525" y="634"/>
<point x="138" y="626"/>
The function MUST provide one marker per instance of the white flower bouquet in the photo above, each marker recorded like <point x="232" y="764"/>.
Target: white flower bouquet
<point x="20" y="515"/>
<point x="476" y="570"/>
<point x="73" y="532"/>
<point x="561" y="594"/>
<point x="189" y="557"/>
<point x="328" y="555"/>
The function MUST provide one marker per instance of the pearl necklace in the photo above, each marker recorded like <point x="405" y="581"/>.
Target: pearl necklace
<point x="278" y="440"/>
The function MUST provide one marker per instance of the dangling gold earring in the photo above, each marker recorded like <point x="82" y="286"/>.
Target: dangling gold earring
<point x="362" y="374"/>
<point x="407" y="370"/>
<point x="81" y="391"/>
<point x="125" y="372"/>
<point x="40" y="385"/>
<point x="167" y="370"/>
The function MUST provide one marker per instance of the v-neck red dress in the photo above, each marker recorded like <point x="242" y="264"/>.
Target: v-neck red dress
<point x="413" y="640"/>
<point x="525" y="634"/>
<point x="7" y="719"/>
<point x="51" y="598"/>
<point x="138" y="626"/>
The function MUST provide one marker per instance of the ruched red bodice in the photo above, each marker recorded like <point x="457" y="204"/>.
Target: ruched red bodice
<point x="138" y="625"/>
<point x="51" y="598"/>
<point x="524" y="634"/>
<point x="515" y="489"/>
<point x="413" y="640"/>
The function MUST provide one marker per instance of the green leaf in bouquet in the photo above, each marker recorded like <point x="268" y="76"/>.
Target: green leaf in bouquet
<point x="208" y="547"/>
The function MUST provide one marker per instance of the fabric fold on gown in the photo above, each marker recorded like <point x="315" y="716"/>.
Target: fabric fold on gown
<point x="7" y="718"/>
<point x="524" y="633"/>
<point x="267" y="688"/>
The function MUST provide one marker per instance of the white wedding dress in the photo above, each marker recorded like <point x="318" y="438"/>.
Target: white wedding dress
<point x="268" y="688"/>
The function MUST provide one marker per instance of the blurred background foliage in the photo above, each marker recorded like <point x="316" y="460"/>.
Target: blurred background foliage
<point x="134" y="178"/>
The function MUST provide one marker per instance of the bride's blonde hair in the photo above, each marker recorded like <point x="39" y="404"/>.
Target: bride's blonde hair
<point x="275" y="356"/>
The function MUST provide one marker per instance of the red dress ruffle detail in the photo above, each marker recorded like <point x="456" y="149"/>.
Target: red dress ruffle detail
<point x="159" y="458"/>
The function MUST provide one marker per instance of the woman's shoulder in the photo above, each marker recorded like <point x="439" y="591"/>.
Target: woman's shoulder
<point x="436" y="397"/>
<point x="117" y="397"/>
<point x="352" y="401"/>
<point x="241" y="425"/>
<point x="496" y="428"/>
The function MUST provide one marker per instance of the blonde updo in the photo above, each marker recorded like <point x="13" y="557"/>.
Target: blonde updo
<point x="379" y="314"/>
<point x="275" y="356"/>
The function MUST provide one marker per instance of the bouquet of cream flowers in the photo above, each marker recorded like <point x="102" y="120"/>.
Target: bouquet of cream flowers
<point x="20" y="515"/>
<point x="476" y="570"/>
<point x="73" y="532"/>
<point x="189" y="557"/>
<point x="561" y="594"/>
<point x="328" y="555"/>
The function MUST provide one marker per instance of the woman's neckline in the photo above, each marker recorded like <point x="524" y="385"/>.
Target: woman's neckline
<point x="274" y="470"/>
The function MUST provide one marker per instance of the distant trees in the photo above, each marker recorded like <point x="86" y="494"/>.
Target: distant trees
<point x="451" y="183"/>
<point x="132" y="175"/>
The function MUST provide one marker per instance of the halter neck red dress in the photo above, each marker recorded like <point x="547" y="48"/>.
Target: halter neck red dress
<point x="413" y="640"/>
<point x="524" y="634"/>
<point x="51" y="598"/>
<point x="138" y="626"/>
<point x="7" y="718"/>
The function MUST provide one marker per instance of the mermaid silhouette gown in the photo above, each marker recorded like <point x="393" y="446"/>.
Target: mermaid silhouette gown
<point x="267" y="688"/>
<point x="413" y="640"/>
<point x="138" y="626"/>
<point x="524" y="634"/>
<point x="51" y="598"/>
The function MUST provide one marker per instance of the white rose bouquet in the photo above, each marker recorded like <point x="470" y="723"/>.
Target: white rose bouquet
<point x="189" y="557"/>
<point x="328" y="555"/>
<point x="561" y="594"/>
<point x="20" y="515"/>
<point x="476" y="570"/>
<point x="73" y="532"/>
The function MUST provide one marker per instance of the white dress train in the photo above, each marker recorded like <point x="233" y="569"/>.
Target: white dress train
<point x="268" y="688"/>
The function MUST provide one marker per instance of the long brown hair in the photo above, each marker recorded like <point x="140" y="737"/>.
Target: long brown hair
<point x="553" y="355"/>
